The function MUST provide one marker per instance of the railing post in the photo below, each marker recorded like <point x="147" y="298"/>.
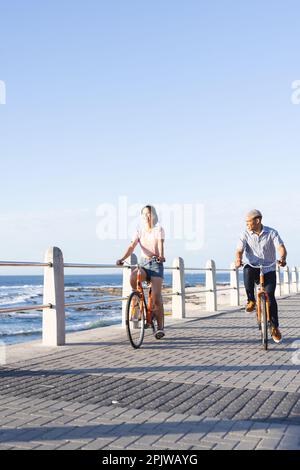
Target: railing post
<point x="235" y="286"/>
<point x="54" y="294"/>
<point x="286" y="280"/>
<point x="294" y="280"/>
<point x="211" y="286"/>
<point x="178" y="287"/>
<point x="127" y="289"/>
<point x="298" y="279"/>
<point x="278" y="280"/>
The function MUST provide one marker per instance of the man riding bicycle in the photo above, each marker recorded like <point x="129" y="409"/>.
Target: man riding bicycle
<point x="151" y="239"/>
<point x="259" y="244"/>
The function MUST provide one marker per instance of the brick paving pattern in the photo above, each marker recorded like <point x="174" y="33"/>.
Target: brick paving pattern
<point x="207" y="385"/>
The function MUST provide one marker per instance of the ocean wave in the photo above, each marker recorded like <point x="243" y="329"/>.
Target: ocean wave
<point x="22" y="315"/>
<point x="93" y="308"/>
<point x="92" y="311"/>
<point x="20" y="332"/>
<point x="28" y="324"/>
<point x="20" y="294"/>
<point x="88" y="325"/>
<point x="18" y="299"/>
<point x="73" y="289"/>
<point x="92" y="288"/>
<point x="23" y="286"/>
<point x="93" y="324"/>
<point x="110" y="286"/>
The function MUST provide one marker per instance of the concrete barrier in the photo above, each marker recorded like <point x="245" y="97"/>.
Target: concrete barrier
<point x="54" y="294"/>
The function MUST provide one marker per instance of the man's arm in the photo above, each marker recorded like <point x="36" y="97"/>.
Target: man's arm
<point x="283" y="254"/>
<point x="238" y="258"/>
<point x="240" y="248"/>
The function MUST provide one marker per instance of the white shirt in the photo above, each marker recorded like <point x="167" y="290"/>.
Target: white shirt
<point x="148" y="240"/>
<point x="260" y="249"/>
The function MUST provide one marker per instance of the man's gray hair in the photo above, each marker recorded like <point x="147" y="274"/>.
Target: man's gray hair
<point x="254" y="213"/>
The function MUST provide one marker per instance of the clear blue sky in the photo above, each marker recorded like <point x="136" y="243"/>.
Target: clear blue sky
<point x="160" y="101"/>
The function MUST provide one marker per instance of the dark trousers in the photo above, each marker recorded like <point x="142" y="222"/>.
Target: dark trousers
<point x="251" y="276"/>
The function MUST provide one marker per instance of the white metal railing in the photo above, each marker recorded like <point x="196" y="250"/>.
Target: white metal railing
<point x="54" y="304"/>
<point x="21" y="309"/>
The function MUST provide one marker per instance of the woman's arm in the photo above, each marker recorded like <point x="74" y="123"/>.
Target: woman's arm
<point x="129" y="252"/>
<point x="161" y="257"/>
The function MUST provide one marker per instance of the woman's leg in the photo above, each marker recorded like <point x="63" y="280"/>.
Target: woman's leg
<point x="158" y="307"/>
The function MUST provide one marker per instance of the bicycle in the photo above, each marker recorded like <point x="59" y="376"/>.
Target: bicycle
<point x="139" y="313"/>
<point x="263" y="305"/>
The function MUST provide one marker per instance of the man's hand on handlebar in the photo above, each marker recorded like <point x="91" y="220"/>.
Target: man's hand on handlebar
<point x="282" y="262"/>
<point x="161" y="259"/>
<point x="119" y="262"/>
<point x="239" y="263"/>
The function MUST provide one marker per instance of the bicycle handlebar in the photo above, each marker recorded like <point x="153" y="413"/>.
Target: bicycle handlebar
<point x="260" y="265"/>
<point x="154" y="258"/>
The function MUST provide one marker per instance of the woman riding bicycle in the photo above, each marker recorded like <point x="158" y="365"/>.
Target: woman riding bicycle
<point x="151" y="239"/>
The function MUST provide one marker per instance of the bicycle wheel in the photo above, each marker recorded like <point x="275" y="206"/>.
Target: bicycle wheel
<point x="135" y="319"/>
<point x="264" y="322"/>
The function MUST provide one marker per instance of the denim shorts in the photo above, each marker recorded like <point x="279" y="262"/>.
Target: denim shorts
<point x="153" y="269"/>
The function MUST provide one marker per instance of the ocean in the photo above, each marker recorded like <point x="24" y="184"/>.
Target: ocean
<point x="28" y="290"/>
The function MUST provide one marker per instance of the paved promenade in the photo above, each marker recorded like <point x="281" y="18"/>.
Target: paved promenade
<point x="207" y="385"/>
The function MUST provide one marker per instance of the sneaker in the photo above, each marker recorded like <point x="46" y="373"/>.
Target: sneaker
<point x="159" y="334"/>
<point x="250" y="306"/>
<point x="276" y="335"/>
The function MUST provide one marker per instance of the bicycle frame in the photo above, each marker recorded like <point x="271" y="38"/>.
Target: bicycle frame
<point x="140" y="289"/>
<point x="139" y="314"/>
<point x="262" y="291"/>
<point x="263" y="300"/>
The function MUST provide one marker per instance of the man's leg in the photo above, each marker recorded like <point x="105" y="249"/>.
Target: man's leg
<point x="270" y="286"/>
<point x="251" y="275"/>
